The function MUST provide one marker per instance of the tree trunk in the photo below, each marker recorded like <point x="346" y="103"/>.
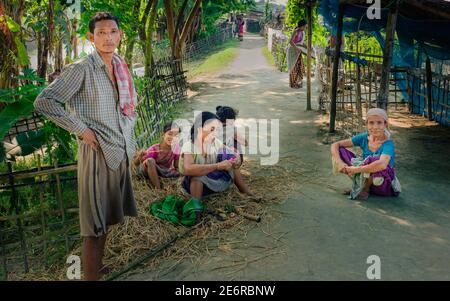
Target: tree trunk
<point x="170" y="25"/>
<point x="180" y="20"/>
<point x="186" y="28"/>
<point x="39" y="47"/>
<point x="383" y="94"/>
<point x="334" y="79"/>
<point x="148" y="42"/>
<point x="42" y="69"/>
<point x="8" y="67"/>
<point x="129" y="53"/>
<point x="132" y="40"/>
<point x="74" y="39"/>
<point x="59" y="55"/>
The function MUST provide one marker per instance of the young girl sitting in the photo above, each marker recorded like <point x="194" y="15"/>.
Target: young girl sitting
<point x="161" y="159"/>
<point x="207" y="164"/>
<point x="374" y="173"/>
<point x="232" y="139"/>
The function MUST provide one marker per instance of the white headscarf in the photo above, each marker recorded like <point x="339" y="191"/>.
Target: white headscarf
<point x="381" y="113"/>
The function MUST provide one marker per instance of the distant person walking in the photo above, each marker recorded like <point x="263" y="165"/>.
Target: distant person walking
<point x="295" y="64"/>
<point x="241" y="23"/>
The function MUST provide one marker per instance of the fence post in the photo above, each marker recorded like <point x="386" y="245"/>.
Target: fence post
<point x="308" y="59"/>
<point x="429" y="88"/>
<point x="383" y="95"/>
<point x="41" y="209"/>
<point x="337" y="54"/>
<point x="15" y="205"/>
<point x="60" y="202"/>
<point x="3" y="255"/>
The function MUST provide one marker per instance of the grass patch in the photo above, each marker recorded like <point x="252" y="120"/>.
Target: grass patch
<point x="268" y="56"/>
<point x="216" y="60"/>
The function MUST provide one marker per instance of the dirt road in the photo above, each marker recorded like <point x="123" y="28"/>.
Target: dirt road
<point x="321" y="235"/>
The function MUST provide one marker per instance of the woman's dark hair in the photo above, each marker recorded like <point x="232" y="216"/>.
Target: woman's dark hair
<point x="201" y="120"/>
<point x="100" y="16"/>
<point x="225" y="113"/>
<point x="301" y="23"/>
<point x="170" y="126"/>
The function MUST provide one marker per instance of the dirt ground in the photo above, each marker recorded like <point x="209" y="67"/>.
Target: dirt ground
<point x="320" y="234"/>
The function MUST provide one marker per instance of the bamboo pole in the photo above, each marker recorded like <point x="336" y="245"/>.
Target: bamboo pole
<point x="39" y="173"/>
<point x="429" y="88"/>
<point x="3" y="255"/>
<point x="337" y="53"/>
<point x="308" y="59"/>
<point x="15" y="205"/>
<point x="60" y="202"/>
<point x="41" y="210"/>
<point x="383" y="94"/>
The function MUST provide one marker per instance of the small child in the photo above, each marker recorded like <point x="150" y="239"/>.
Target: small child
<point x="161" y="159"/>
<point x="232" y="139"/>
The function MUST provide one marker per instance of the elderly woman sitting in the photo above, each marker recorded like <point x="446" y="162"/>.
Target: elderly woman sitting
<point x="374" y="172"/>
<point x="209" y="166"/>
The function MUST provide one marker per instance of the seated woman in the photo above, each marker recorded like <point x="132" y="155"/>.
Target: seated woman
<point x="374" y="173"/>
<point x="207" y="164"/>
<point x="161" y="159"/>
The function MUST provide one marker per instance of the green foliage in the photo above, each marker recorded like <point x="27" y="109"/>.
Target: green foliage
<point x="30" y="141"/>
<point x="268" y="56"/>
<point x="212" y="10"/>
<point x="35" y="18"/>
<point x="218" y="60"/>
<point x="366" y="43"/>
<point x="268" y="13"/>
<point x="59" y="143"/>
<point x="279" y="55"/>
<point x="296" y="11"/>
<point x="123" y="10"/>
<point x="20" y="101"/>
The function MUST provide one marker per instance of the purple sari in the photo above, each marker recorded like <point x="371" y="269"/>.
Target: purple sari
<point x="388" y="174"/>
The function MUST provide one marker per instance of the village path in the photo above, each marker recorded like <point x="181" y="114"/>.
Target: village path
<point x="321" y="235"/>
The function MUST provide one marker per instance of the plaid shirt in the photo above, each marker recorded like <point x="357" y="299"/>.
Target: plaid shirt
<point x="92" y="102"/>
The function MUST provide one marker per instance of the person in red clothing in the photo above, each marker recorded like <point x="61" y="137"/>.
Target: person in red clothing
<point x="161" y="159"/>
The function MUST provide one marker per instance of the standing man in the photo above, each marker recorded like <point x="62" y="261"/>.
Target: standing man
<point x="100" y="97"/>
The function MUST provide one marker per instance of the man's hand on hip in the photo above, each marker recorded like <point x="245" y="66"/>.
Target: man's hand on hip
<point x="90" y="138"/>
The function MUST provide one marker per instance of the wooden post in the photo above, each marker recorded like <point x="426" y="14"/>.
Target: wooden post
<point x="3" y="256"/>
<point x="15" y="205"/>
<point x="358" y="94"/>
<point x="61" y="204"/>
<point x="337" y="54"/>
<point x="429" y="88"/>
<point x="42" y="213"/>
<point x="383" y="93"/>
<point x="308" y="59"/>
